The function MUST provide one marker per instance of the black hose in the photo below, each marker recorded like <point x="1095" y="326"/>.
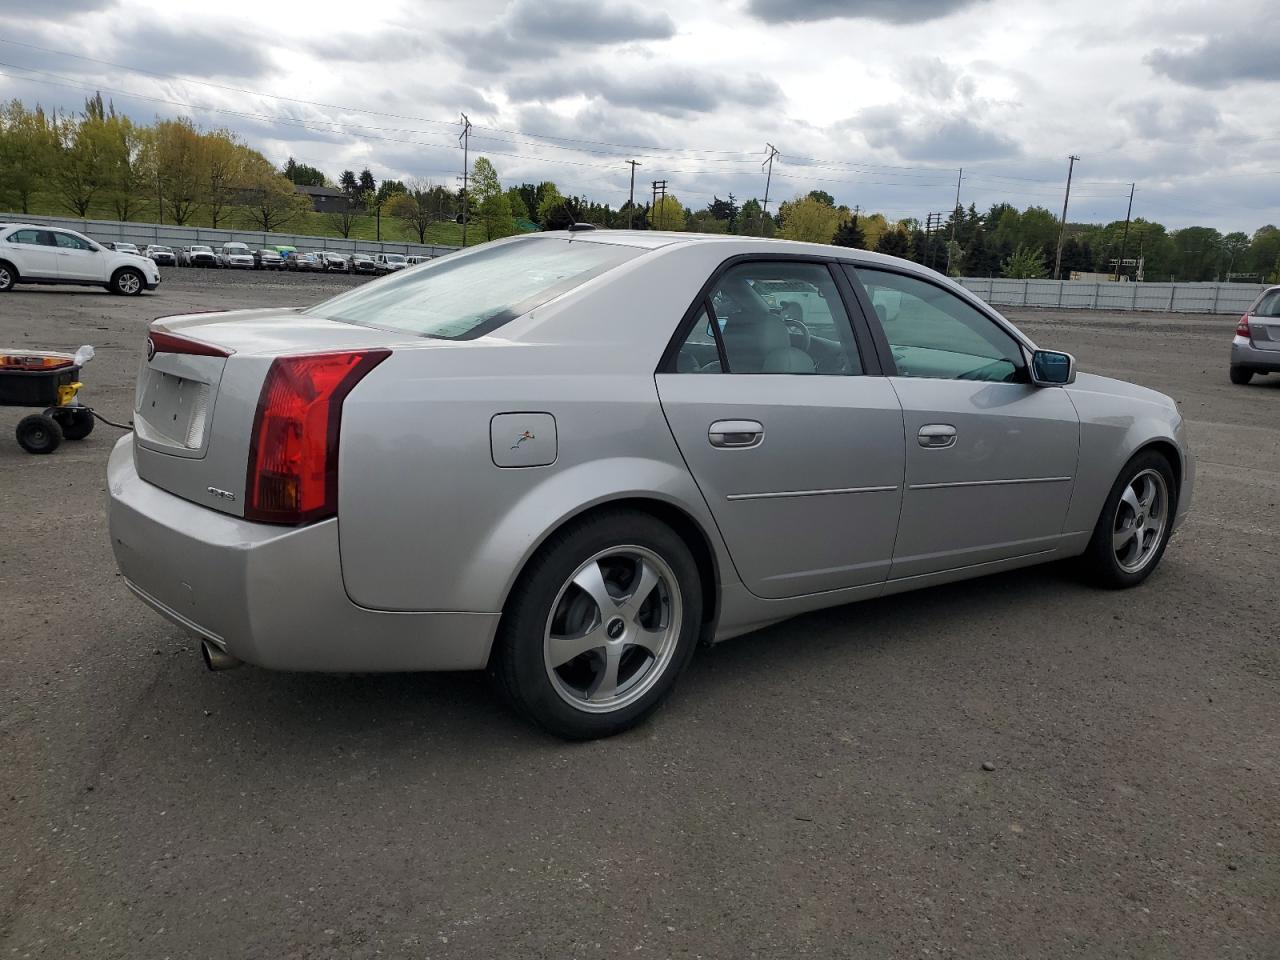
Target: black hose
<point x="111" y="423"/>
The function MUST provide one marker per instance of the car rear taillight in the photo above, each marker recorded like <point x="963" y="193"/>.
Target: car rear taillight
<point x="293" y="453"/>
<point x="160" y="342"/>
<point x="1242" y="328"/>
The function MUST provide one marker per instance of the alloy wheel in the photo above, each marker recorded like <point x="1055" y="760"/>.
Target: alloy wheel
<point x="1141" y="517"/>
<point x="129" y="283"/>
<point x="613" y="629"/>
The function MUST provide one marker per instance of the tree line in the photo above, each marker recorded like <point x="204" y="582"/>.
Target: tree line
<point x="173" y="172"/>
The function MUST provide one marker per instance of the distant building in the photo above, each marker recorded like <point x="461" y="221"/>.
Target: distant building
<point x="324" y="199"/>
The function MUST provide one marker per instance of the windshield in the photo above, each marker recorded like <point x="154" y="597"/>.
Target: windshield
<point x="394" y="258"/>
<point x="471" y="294"/>
<point x="202" y="250"/>
<point x="162" y="249"/>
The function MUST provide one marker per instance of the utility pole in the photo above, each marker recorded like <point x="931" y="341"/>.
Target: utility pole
<point x="631" y="209"/>
<point x="773" y="152"/>
<point x="955" y="219"/>
<point x="1062" y="232"/>
<point x="465" y="139"/>
<point x="1125" y="239"/>
<point x="659" y="196"/>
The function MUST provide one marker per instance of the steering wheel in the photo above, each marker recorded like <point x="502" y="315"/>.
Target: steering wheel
<point x="797" y="329"/>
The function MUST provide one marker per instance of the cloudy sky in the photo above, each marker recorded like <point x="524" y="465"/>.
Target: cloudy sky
<point x="878" y="102"/>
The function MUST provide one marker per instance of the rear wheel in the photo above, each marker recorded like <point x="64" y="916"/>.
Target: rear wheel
<point x="75" y="424"/>
<point x="8" y="276"/>
<point x="1136" y="522"/>
<point x="599" y="626"/>
<point x="127" y="282"/>
<point x="1241" y="375"/>
<point x="39" y="433"/>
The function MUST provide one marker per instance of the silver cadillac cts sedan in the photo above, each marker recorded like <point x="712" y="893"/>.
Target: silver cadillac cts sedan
<point x="568" y="458"/>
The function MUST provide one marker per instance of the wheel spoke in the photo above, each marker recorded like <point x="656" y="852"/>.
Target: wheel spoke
<point x="1148" y="495"/>
<point x="590" y="579"/>
<point x="1120" y="539"/>
<point x="645" y="580"/>
<point x="560" y="650"/>
<point x="606" y="684"/>
<point x="651" y="640"/>
<point x="1130" y="498"/>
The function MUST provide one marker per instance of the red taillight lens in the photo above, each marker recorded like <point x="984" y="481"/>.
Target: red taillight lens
<point x="293" y="455"/>
<point x="160" y="342"/>
<point x="1242" y="328"/>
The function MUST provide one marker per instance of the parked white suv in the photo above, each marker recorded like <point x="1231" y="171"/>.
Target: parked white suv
<point x="236" y="254"/>
<point x="390" y="262"/>
<point x="33" y="254"/>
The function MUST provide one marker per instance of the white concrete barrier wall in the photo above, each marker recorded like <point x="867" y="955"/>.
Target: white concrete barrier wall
<point x="142" y="234"/>
<point x="1088" y="295"/>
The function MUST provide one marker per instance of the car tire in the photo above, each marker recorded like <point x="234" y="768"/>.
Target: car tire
<point x="1136" y="523"/>
<point x="1241" y="375"/>
<point x="75" y="424"/>
<point x="622" y="655"/>
<point x="128" y="282"/>
<point x="39" y="433"/>
<point x="8" y="276"/>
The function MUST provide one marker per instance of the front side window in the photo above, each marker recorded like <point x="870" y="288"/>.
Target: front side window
<point x="771" y="317"/>
<point x="67" y="242"/>
<point x="935" y="334"/>
<point x="468" y="295"/>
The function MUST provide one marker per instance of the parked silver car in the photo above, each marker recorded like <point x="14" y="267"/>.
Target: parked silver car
<point x="569" y="457"/>
<point x="1255" y="348"/>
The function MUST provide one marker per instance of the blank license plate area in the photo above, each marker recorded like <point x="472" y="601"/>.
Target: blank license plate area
<point x="174" y="408"/>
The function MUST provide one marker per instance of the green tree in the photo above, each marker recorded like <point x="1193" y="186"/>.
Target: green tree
<point x="28" y="150"/>
<point x="1233" y="247"/>
<point x="808" y="219"/>
<point x="549" y="199"/>
<point x="416" y="207"/>
<point x="894" y="242"/>
<point x="519" y="209"/>
<point x="348" y="184"/>
<point x="366" y="182"/>
<point x="303" y="175"/>
<point x="221" y="165"/>
<point x="389" y="188"/>
<point x="177" y="149"/>
<point x="981" y="259"/>
<point x="272" y="199"/>
<point x="849" y="234"/>
<point x="1026" y="263"/>
<point x="668" y="213"/>
<point x="90" y="153"/>
<point x="705" y="221"/>
<point x="821" y="196"/>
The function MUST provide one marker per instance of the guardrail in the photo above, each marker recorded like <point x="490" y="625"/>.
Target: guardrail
<point x="142" y="234"/>
<point x="1090" y="295"/>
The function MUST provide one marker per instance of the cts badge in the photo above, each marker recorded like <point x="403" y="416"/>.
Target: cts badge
<point x="151" y="349"/>
<point x="221" y="494"/>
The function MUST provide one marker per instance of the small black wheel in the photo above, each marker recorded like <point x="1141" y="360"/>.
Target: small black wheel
<point x="75" y="424"/>
<point x="600" y="624"/>
<point x="39" y="433"/>
<point x="8" y="276"/>
<point x="127" y="282"/>
<point x="1135" y="524"/>
<point x="1241" y="375"/>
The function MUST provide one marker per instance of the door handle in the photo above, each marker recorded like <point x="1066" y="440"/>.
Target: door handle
<point x="937" y="436"/>
<point x="738" y="434"/>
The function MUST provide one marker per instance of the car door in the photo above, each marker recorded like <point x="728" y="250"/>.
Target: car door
<point x="78" y="259"/>
<point x="991" y="458"/>
<point x="792" y="436"/>
<point x="33" y="253"/>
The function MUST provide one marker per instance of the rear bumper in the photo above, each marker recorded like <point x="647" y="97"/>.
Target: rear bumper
<point x="1245" y="354"/>
<point x="271" y="596"/>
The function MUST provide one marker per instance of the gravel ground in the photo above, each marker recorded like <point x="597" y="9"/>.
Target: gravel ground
<point x="816" y="789"/>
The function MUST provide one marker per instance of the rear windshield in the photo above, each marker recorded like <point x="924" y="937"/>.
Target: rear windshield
<point x="1268" y="304"/>
<point x="467" y="295"/>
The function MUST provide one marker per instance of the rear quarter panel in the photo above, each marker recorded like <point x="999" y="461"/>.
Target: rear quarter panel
<point x="428" y="522"/>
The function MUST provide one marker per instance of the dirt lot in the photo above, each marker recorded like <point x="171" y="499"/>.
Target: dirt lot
<point x="815" y="789"/>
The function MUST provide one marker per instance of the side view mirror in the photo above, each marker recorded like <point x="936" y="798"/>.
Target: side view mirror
<point x="1052" y="368"/>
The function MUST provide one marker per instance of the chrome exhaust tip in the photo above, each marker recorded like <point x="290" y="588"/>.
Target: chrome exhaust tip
<point x="215" y="658"/>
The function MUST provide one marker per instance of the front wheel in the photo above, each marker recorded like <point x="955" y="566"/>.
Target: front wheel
<point x="8" y="277"/>
<point x="601" y="623"/>
<point x="128" y="283"/>
<point x="1241" y="375"/>
<point x="39" y="433"/>
<point x="1136" y="522"/>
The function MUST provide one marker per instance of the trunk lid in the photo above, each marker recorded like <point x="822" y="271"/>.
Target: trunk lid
<point x="193" y="413"/>
<point x="1265" y="332"/>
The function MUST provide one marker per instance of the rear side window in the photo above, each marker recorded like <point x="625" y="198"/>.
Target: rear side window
<point x="467" y="295"/>
<point x="68" y="242"/>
